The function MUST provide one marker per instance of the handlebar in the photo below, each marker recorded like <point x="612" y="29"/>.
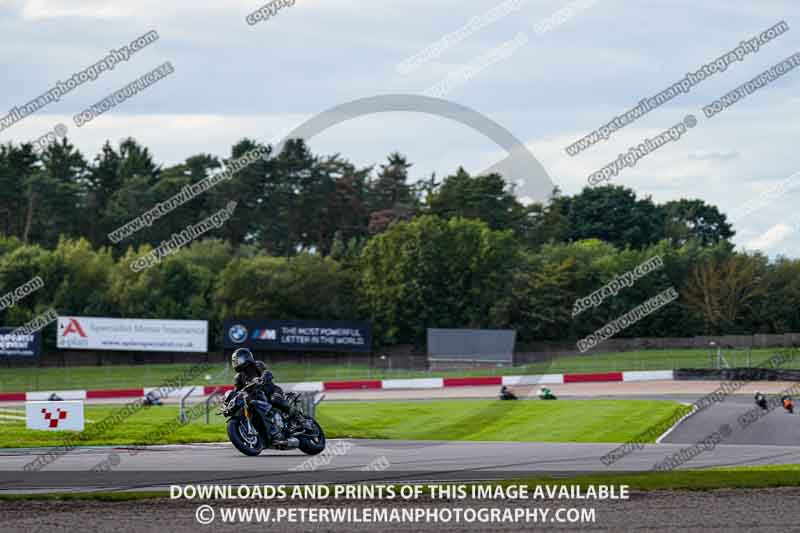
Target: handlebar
<point x="254" y="382"/>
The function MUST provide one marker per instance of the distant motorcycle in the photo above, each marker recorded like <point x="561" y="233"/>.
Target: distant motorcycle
<point x="250" y="416"/>
<point x="506" y="394"/>
<point x="788" y="404"/>
<point x="546" y="394"/>
<point x="761" y="401"/>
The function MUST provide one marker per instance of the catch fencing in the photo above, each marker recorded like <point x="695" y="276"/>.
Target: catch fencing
<point x="465" y="345"/>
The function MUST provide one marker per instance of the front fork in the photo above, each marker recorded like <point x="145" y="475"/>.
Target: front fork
<point x="262" y="425"/>
<point x="249" y="425"/>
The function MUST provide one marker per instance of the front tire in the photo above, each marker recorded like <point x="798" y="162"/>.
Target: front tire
<point x="249" y="445"/>
<point x="313" y="445"/>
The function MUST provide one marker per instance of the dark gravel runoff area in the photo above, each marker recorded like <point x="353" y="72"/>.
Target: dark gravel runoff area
<point x="764" y="510"/>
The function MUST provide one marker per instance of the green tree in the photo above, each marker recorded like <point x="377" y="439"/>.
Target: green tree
<point x="539" y="301"/>
<point x="777" y="309"/>
<point x="103" y="181"/>
<point x="176" y="288"/>
<point x="547" y="223"/>
<point x="487" y="198"/>
<point x="17" y="167"/>
<point x="301" y="287"/>
<point x="135" y="160"/>
<point x="695" y="219"/>
<point x="434" y="273"/>
<point x="725" y="291"/>
<point x="56" y="195"/>
<point x="391" y="188"/>
<point x="613" y="214"/>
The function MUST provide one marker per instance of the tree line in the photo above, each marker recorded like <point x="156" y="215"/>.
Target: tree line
<point x="316" y="237"/>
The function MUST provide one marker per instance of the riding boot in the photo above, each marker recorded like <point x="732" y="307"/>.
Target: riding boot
<point x="276" y="436"/>
<point x="294" y="416"/>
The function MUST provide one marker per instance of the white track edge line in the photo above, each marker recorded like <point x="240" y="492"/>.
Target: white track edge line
<point x="681" y="419"/>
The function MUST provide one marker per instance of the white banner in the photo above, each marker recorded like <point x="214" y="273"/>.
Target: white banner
<point x="54" y="416"/>
<point x="133" y="334"/>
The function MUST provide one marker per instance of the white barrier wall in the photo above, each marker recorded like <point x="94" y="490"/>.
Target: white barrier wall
<point x="423" y="383"/>
<point x="543" y="379"/>
<point x="304" y="386"/>
<point x="176" y="394"/>
<point x="54" y="416"/>
<point x="43" y="396"/>
<point x="649" y="375"/>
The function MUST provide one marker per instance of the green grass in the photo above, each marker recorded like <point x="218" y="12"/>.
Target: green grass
<point x="133" y="430"/>
<point x="132" y="376"/>
<point x="756" y="477"/>
<point x="476" y="420"/>
<point x="748" y="477"/>
<point x="561" y="421"/>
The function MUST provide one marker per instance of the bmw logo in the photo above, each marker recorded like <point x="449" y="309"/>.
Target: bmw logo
<point x="237" y="333"/>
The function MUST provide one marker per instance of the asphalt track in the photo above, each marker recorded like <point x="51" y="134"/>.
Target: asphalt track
<point x="773" y="439"/>
<point x="776" y="428"/>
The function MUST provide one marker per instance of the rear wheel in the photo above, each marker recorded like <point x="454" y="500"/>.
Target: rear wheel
<point x="314" y="442"/>
<point x="240" y="436"/>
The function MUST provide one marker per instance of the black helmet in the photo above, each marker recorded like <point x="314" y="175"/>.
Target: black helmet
<point x="240" y="358"/>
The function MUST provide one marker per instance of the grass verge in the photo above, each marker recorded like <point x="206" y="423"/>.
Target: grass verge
<point x="482" y="420"/>
<point x="756" y="477"/>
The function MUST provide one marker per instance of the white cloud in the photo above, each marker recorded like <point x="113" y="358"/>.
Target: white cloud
<point x="233" y="80"/>
<point x="92" y="9"/>
<point x="771" y="238"/>
<point x="705" y="155"/>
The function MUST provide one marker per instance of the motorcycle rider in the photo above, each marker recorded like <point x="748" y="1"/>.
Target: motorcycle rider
<point x="506" y="394"/>
<point x="247" y="369"/>
<point x="788" y="404"/>
<point x="761" y="400"/>
<point x="546" y="394"/>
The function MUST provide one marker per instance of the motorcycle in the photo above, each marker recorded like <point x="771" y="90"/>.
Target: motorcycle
<point x="506" y="394"/>
<point x="247" y="413"/>
<point x="546" y="394"/>
<point x="788" y="404"/>
<point x="761" y="401"/>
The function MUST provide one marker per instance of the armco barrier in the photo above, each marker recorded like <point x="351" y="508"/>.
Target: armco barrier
<point x="586" y="378"/>
<point x="179" y="392"/>
<point x="647" y="375"/>
<point x="372" y="384"/>
<point x="542" y="379"/>
<point x="473" y="382"/>
<point x="63" y="394"/>
<point x="120" y="393"/>
<point x="210" y="389"/>
<point x="352" y="385"/>
<point x="305" y="386"/>
<point x="12" y="396"/>
<point x="423" y="383"/>
<point x="737" y="374"/>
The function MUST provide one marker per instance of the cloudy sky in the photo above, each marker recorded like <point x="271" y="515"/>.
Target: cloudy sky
<point x="595" y="60"/>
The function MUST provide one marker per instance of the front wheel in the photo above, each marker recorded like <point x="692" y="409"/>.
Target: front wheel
<point x="240" y="436"/>
<point x="314" y="442"/>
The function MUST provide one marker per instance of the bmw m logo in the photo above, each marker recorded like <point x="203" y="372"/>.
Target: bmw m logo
<point x="237" y="333"/>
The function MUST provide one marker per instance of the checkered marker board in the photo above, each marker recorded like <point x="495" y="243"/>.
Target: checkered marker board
<point x="54" y="416"/>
